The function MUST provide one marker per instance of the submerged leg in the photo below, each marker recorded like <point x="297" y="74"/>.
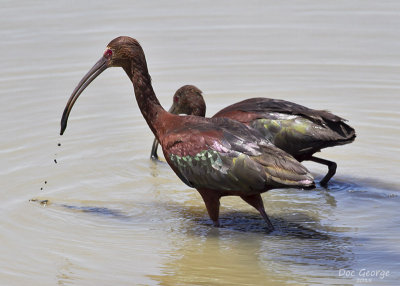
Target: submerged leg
<point x="211" y="199"/>
<point x="153" y="154"/>
<point x="331" y="169"/>
<point x="257" y="202"/>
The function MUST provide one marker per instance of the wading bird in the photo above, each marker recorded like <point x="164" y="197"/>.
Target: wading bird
<point x="217" y="156"/>
<point x="296" y="129"/>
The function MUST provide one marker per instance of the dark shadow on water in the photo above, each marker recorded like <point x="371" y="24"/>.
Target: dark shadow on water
<point x="197" y="220"/>
<point x="101" y="211"/>
<point x="94" y="210"/>
<point x="249" y="223"/>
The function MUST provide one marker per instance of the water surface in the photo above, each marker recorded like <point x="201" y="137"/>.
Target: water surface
<point x="107" y="215"/>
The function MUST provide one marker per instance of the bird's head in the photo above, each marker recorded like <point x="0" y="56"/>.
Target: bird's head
<point x="120" y="52"/>
<point x="188" y="100"/>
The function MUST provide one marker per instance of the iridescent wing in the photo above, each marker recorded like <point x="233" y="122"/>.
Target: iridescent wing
<point x="222" y="154"/>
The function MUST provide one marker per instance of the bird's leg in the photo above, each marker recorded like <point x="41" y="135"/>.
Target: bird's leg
<point x="211" y="199"/>
<point x="153" y="154"/>
<point x="331" y="169"/>
<point x="257" y="202"/>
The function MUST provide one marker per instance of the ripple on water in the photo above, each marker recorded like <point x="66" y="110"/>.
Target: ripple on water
<point x="365" y="188"/>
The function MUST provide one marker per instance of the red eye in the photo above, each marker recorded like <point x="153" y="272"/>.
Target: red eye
<point x="108" y="53"/>
<point x="176" y="99"/>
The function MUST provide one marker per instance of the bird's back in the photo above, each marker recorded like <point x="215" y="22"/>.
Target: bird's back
<point x="298" y="130"/>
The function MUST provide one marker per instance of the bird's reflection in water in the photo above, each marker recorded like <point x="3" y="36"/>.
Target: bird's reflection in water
<point x="312" y="240"/>
<point x="248" y="223"/>
<point x="243" y="252"/>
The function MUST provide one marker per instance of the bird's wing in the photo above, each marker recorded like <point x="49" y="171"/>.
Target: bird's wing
<point x="261" y="105"/>
<point x="222" y="154"/>
<point x="292" y="127"/>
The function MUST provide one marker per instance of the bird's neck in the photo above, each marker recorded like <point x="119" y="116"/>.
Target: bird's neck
<point x="149" y="105"/>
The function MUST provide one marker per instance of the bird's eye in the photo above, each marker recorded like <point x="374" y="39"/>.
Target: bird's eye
<point x="176" y="99"/>
<point x="108" y="53"/>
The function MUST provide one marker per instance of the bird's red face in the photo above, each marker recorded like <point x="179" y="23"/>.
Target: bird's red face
<point x="108" y="53"/>
<point x="108" y="56"/>
<point x="179" y="104"/>
<point x="188" y="100"/>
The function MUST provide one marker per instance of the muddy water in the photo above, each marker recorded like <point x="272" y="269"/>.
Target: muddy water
<point x="97" y="211"/>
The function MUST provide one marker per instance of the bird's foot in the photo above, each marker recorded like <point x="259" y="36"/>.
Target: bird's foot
<point x="216" y="224"/>
<point x="270" y="229"/>
<point x="324" y="183"/>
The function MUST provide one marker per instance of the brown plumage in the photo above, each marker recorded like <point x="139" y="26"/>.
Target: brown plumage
<point x="218" y="156"/>
<point x="296" y="129"/>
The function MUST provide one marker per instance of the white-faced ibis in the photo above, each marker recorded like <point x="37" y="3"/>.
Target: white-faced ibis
<point x="296" y="129"/>
<point x="218" y="156"/>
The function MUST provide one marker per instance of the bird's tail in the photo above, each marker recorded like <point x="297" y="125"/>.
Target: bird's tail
<point x="346" y="132"/>
<point x="283" y="170"/>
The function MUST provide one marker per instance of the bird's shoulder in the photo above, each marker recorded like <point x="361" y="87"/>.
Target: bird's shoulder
<point x="218" y="134"/>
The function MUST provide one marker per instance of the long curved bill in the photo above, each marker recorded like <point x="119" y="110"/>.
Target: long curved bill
<point x="97" y="69"/>
<point x="153" y="154"/>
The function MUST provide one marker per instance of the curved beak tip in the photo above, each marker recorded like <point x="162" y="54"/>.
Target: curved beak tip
<point x="97" y="69"/>
<point x="64" y="121"/>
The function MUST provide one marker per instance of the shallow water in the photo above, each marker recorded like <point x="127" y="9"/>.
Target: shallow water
<point x="107" y="215"/>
